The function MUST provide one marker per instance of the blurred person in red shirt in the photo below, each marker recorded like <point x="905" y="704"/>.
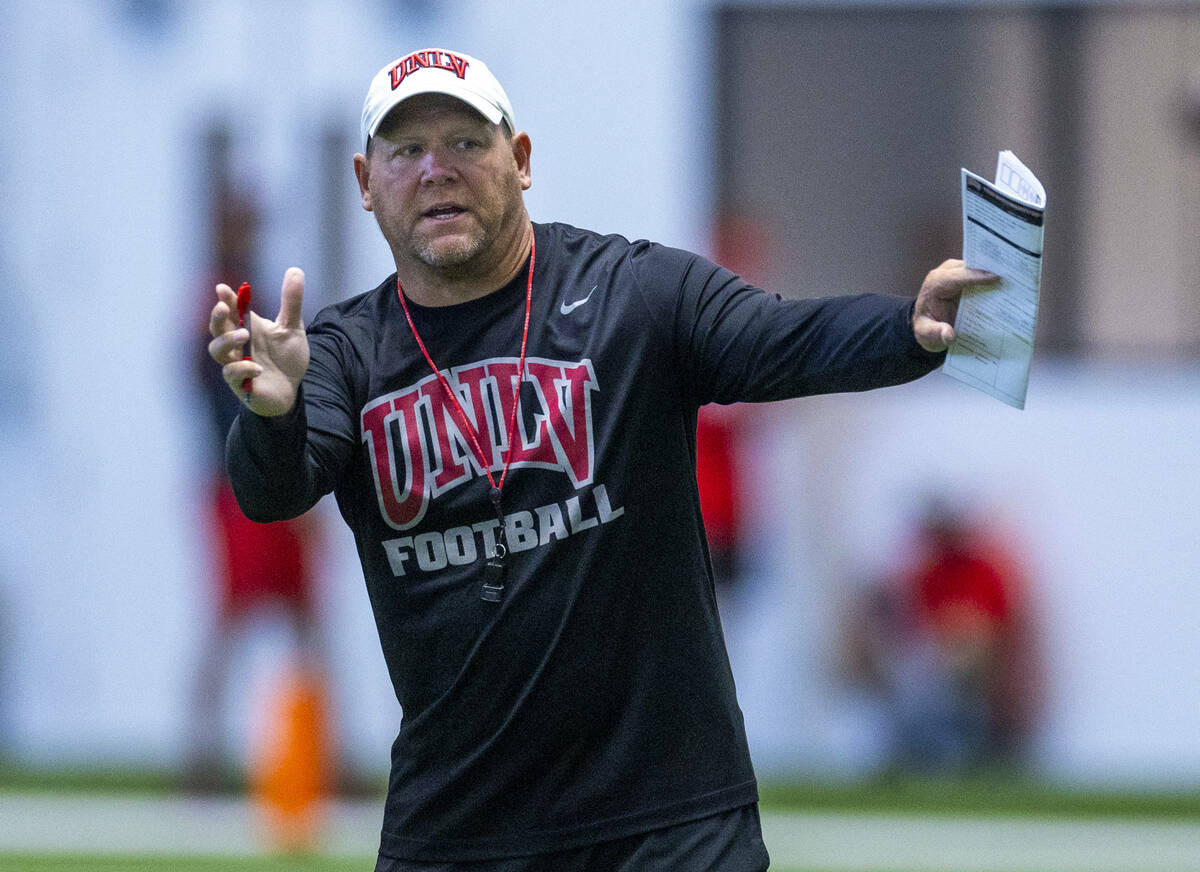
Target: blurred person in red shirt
<point x="259" y="571"/>
<point x="948" y="647"/>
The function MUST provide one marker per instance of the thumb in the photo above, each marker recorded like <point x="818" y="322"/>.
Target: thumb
<point x="932" y="334"/>
<point x="291" y="299"/>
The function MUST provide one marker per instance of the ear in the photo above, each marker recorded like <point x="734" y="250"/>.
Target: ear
<point x="521" y="146"/>
<point x="362" y="171"/>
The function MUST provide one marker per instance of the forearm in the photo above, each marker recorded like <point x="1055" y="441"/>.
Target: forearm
<point x="732" y="342"/>
<point x="852" y="343"/>
<point x="771" y="349"/>
<point x="272" y="476"/>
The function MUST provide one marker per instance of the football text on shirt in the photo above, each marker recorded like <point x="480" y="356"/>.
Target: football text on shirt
<point x="458" y="546"/>
<point x="417" y="449"/>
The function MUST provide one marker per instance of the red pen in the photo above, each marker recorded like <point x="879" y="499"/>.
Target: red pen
<point x="243" y="304"/>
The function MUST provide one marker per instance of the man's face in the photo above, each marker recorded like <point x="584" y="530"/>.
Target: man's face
<point x="444" y="183"/>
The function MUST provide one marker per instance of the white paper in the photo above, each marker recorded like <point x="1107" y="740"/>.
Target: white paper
<point x="994" y="328"/>
<point x="1017" y="179"/>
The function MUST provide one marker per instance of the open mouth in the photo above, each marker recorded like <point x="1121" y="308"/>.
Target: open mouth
<point x="443" y="212"/>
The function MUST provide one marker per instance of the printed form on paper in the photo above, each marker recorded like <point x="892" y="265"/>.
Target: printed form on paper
<point x="1002" y="233"/>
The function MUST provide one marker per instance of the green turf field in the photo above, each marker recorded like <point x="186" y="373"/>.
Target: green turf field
<point x="986" y="794"/>
<point x="1007" y="823"/>
<point x="102" y="863"/>
<point x="80" y="863"/>
<point x="213" y="864"/>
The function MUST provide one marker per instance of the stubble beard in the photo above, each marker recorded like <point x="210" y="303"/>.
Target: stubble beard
<point x="438" y="254"/>
<point x="442" y="254"/>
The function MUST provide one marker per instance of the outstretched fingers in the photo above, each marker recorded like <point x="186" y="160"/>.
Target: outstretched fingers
<point x="279" y="356"/>
<point x="291" y="299"/>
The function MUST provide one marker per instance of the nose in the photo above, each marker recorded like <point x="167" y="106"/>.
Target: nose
<point x="436" y="166"/>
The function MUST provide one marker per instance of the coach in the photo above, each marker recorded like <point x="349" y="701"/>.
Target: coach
<point x="508" y="424"/>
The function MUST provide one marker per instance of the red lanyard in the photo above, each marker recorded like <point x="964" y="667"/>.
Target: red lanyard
<point x="485" y="462"/>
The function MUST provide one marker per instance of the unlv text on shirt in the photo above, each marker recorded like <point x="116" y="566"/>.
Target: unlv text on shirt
<point x="418" y="450"/>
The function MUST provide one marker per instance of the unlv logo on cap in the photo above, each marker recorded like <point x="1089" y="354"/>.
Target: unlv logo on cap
<point x="417" y="449"/>
<point x="433" y="59"/>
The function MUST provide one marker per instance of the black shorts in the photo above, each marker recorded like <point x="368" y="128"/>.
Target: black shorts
<point x="727" y="842"/>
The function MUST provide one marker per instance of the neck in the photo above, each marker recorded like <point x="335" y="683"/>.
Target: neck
<point x="429" y="285"/>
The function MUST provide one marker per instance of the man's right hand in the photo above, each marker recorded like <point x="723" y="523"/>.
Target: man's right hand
<point x="279" y="348"/>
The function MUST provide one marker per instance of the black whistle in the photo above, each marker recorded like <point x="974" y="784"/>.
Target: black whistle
<point x="493" y="576"/>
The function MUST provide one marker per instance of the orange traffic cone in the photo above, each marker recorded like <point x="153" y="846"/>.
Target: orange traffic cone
<point x="290" y="774"/>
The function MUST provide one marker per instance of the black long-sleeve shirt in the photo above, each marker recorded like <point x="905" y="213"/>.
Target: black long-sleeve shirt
<point x="596" y="699"/>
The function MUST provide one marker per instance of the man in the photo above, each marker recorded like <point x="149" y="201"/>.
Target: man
<point x="508" y="424"/>
<point x="970" y="621"/>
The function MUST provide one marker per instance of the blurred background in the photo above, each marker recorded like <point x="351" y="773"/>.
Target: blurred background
<point x="152" y="147"/>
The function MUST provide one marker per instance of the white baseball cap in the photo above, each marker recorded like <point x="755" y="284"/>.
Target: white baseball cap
<point x="435" y="71"/>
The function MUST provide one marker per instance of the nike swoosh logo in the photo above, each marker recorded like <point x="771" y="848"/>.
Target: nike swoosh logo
<point x="568" y="308"/>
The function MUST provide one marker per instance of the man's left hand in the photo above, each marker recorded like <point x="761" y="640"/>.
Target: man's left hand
<point x="937" y="302"/>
